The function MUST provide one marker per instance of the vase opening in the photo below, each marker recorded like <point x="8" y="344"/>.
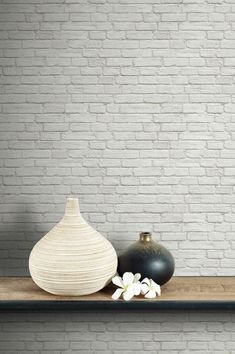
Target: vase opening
<point x="72" y="207"/>
<point x="145" y="236"/>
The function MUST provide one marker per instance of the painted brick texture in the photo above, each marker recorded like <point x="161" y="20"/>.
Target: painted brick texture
<point x="128" y="105"/>
<point x="118" y="333"/>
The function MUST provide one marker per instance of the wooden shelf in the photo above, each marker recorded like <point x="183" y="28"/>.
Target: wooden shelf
<point x="180" y="293"/>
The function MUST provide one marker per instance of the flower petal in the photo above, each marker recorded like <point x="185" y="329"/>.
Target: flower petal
<point x="117" y="294"/>
<point x="144" y="288"/>
<point x="128" y="294"/>
<point x="128" y="278"/>
<point x="137" y="277"/>
<point x="156" y="287"/>
<point x="136" y="288"/>
<point x="150" y="295"/>
<point x="146" y="281"/>
<point x="117" y="281"/>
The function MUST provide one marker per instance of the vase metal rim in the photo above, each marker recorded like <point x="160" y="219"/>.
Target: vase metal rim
<point x="145" y="236"/>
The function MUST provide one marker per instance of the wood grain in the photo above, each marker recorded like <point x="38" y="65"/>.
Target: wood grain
<point x="179" y="293"/>
<point x="177" y="289"/>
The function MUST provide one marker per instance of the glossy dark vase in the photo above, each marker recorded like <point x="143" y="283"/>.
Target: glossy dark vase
<point x="148" y="258"/>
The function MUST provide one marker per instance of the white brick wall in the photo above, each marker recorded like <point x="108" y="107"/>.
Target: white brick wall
<point x="128" y="105"/>
<point x="109" y="333"/>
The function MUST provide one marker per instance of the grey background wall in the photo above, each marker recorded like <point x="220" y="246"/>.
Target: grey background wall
<point x="109" y="333"/>
<point x="129" y="105"/>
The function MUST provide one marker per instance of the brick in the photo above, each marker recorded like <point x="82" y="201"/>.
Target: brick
<point x="128" y="105"/>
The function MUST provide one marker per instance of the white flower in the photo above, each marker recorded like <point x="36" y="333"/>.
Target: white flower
<point x="129" y="286"/>
<point x="149" y="288"/>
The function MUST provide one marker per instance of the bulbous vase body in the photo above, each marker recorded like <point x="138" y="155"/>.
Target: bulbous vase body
<point x="148" y="258"/>
<point x="72" y="259"/>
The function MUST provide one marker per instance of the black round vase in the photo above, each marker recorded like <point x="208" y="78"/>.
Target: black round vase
<point x="148" y="258"/>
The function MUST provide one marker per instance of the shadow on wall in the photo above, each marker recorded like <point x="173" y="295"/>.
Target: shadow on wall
<point x="18" y="234"/>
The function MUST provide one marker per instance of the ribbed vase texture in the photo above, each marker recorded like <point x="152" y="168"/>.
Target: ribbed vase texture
<point x="73" y="258"/>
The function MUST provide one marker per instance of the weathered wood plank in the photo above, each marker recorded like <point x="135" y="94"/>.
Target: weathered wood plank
<point x="179" y="293"/>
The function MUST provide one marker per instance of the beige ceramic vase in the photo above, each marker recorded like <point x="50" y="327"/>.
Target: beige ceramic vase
<point x="72" y="259"/>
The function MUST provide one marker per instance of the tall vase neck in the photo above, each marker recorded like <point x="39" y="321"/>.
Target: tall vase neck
<point x="72" y="207"/>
